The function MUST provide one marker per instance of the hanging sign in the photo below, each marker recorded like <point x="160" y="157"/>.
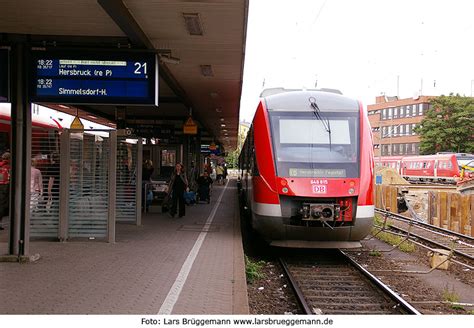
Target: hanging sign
<point x="75" y="77"/>
<point x="190" y="127"/>
<point x="77" y="124"/>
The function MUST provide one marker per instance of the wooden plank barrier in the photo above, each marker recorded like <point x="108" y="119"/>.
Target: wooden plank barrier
<point x="452" y="211"/>
<point x="386" y="197"/>
<point x="455" y="213"/>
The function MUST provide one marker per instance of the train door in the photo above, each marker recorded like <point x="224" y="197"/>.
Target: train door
<point x="435" y="172"/>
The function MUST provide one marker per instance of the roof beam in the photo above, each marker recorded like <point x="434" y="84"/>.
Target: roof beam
<point x="123" y="18"/>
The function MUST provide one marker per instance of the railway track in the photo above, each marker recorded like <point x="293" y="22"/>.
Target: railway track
<point x="330" y="282"/>
<point x="462" y="245"/>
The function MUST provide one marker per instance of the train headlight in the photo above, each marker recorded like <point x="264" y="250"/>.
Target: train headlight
<point x="285" y="190"/>
<point x="351" y="191"/>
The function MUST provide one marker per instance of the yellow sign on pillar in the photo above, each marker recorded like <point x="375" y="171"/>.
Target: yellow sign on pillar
<point x="190" y="127"/>
<point x="77" y="124"/>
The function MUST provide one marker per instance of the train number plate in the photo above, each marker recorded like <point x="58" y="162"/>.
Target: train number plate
<point x="319" y="189"/>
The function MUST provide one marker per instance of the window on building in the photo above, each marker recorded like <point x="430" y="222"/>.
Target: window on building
<point x="384" y="114"/>
<point x="402" y="129"/>
<point x="395" y="112"/>
<point x="413" y="129"/>
<point x="426" y="107"/>
<point x="407" y="111"/>
<point x="390" y="112"/>
<point x="395" y="149"/>
<point x="402" y="111"/>
<point x="420" y="109"/>
<point x="416" y="147"/>
<point x="385" y="150"/>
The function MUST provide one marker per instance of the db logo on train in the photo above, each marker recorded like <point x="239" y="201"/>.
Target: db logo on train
<point x="319" y="189"/>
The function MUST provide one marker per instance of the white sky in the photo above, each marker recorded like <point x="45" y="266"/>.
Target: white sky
<point x="359" y="47"/>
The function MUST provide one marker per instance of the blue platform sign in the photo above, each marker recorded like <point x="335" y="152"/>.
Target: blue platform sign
<point x="378" y="180"/>
<point x="4" y="75"/>
<point x="90" y="78"/>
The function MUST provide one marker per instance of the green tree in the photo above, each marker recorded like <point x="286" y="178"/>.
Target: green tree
<point x="448" y="125"/>
<point x="232" y="158"/>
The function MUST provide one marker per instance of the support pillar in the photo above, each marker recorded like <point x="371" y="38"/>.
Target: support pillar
<point x="21" y="153"/>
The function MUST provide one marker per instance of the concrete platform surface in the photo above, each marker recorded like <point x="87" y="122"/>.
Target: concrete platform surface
<point x="189" y="265"/>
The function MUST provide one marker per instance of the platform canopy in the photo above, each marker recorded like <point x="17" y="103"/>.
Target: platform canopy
<point x="201" y="46"/>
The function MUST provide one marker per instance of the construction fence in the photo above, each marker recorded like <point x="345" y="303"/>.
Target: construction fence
<point x="447" y="210"/>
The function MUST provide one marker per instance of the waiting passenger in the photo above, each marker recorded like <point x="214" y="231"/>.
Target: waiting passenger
<point x="178" y="185"/>
<point x="36" y="186"/>
<point x="204" y="187"/>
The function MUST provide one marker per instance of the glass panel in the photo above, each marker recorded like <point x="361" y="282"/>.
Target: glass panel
<point x="44" y="197"/>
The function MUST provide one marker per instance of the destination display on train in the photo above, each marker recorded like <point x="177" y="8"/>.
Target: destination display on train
<point x="127" y="79"/>
<point x="4" y="75"/>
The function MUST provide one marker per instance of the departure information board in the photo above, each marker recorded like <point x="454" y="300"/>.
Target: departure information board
<point x="4" y="75"/>
<point x="112" y="78"/>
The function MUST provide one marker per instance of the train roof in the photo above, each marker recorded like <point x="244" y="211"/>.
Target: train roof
<point x="299" y="100"/>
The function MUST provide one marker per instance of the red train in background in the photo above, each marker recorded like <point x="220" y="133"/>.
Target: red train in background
<point x="443" y="167"/>
<point x="306" y="170"/>
<point x="44" y="134"/>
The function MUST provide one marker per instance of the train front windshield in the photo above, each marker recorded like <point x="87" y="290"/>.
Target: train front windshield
<point x="306" y="146"/>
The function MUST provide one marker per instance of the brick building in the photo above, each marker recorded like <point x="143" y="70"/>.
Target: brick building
<point x="393" y="121"/>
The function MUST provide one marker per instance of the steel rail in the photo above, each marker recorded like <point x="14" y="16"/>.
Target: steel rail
<point x="407" y="307"/>
<point x="427" y="227"/>
<point x="402" y="304"/>
<point x="423" y="224"/>
<point x="298" y="293"/>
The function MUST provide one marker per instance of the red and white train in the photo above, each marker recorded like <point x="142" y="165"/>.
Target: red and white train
<point x="306" y="170"/>
<point x="440" y="167"/>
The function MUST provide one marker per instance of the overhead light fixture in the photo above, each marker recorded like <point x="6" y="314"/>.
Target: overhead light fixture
<point x="218" y="109"/>
<point x="169" y="59"/>
<point x="206" y="70"/>
<point x="223" y="125"/>
<point x="222" y="119"/>
<point x="193" y="23"/>
<point x="214" y="94"/>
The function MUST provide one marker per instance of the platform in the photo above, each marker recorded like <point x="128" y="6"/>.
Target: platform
<point x="189" y="265"/>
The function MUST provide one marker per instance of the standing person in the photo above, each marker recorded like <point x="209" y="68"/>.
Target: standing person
<point x="4" y="185"/>
<point x="178" y="185"/>
<point x="36" y="186"/>
<point x="219" y="173"/>
<point x="53" y="172"/>
<point x="147" y="172"/>
<point x="225" y="172"/>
